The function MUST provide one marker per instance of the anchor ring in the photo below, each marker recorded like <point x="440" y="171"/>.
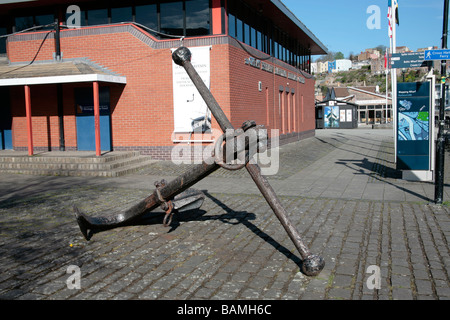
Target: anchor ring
<point x="169" y="214"/>
<point x="218" y="151"/>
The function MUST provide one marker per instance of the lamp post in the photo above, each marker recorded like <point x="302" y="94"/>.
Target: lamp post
<point x="440" y="144"/>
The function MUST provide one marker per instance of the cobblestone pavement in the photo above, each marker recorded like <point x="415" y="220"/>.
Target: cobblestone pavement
<point x="340" y="188"/>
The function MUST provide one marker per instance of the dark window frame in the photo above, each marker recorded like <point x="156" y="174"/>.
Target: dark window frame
<point x="274" y="41"/>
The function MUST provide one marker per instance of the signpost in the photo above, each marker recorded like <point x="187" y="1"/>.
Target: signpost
<point x="408" y="60"/>
<point x="440" y="143"/>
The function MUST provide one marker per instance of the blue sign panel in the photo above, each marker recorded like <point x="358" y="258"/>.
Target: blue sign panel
<point x="443" y="54"/>
<point x="413" y="126"/>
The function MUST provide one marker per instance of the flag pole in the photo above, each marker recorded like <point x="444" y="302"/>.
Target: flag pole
<point x="394" y="75"/>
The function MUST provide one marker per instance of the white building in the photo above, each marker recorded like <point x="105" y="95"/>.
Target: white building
<point x="343" y="65"/>
<point x="319" y="67"/>
<point x="357" y="65"/>
<point x="339" y="65"/>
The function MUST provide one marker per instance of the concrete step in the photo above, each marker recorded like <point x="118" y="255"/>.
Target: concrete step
<point x="64" y="157"/>
<point x="114" y="165"/>
<point x="54" y="164"/>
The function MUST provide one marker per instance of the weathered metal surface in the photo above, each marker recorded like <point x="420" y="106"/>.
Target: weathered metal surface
<point x="312" y="264"/>
<point x="176" y="194"/>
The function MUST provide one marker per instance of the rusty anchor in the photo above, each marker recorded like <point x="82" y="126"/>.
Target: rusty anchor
<point x="178" y="195"/>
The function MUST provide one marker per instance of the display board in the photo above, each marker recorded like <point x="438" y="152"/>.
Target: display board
<point x="414" y="126"/>
<point x="191" y="113"/>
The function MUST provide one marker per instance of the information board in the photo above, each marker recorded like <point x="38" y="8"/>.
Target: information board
<point x="413" y="126"/>
<point x="191" y="114"/>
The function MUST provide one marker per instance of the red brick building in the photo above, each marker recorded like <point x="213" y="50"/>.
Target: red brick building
<point x="104" y="78"/>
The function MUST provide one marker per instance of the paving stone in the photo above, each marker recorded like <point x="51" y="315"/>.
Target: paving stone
<point x="334" y="188"/>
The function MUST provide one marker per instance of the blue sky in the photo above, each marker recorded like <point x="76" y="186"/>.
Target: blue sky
<point x="341" y="25"/>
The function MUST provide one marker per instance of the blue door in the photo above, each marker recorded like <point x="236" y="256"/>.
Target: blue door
<point x="5" y="120"/>
<point x="86" y="132"/>
<point x="84" y="99"/>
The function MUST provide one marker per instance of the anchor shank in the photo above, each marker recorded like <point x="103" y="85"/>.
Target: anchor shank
<point x="312" y="264"/>
<point x="280" y="212"/>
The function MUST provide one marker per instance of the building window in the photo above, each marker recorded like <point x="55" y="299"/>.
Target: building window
<point x="172" y="18"/>
<point x="97" y="17"/>
<point x="253" y="39"/>
<point x="44" y="20"/>
<point x="197" y="18"/>
<point x="23" y="23"/>
<point x="26" y="22"/>
<point x="239" y="30"/>
<point x="247" y="34"/>
<point x="147" y="15"/>
<point x="259" y="39"/>
<point x="262" y="34"/>
<point x="121" y="14"/>
<point x="3" y="31"/>
<point x="232" y="26"/>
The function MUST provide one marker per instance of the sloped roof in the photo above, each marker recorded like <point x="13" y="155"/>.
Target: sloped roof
<point x="341" y="92"/>
<point x="51" y="72"/>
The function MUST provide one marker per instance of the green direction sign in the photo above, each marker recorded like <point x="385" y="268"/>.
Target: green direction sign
<point x="408" y="60"/>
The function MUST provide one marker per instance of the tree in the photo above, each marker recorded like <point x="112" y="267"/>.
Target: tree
<point x="381" y="48"/>
<point x="352" y="56"/>
<point x="327" y="57"/>
<point x="338" y="55"/>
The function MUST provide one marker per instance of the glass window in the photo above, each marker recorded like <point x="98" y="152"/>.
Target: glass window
<point x="44" y="20"/>
<point x="253" y="37"/>
<point x="239" y="30"/>
<point x="23" y="23"/>
<point x="121" y="14"/>
<point x="259" y="40"/>
<point x="96" y="17"/>
<point x="197" y="17"/>
<point x="172" y="21"/>
<point x="3" y="40"/>
<point x="231" y="25"/>
<point x="246" y="33"/>
<point x="148" y="16"/>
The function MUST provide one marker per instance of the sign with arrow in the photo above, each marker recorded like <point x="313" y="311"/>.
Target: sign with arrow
<point x="443" y="54"/>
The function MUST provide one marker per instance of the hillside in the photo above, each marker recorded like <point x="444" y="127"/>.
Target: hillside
<point x="363" y="77"/>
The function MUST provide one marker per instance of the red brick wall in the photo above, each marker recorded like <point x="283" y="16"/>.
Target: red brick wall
<point x="142" y="110"/>
<point x="45" y="121"/>
<point x="264" y="106"/>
